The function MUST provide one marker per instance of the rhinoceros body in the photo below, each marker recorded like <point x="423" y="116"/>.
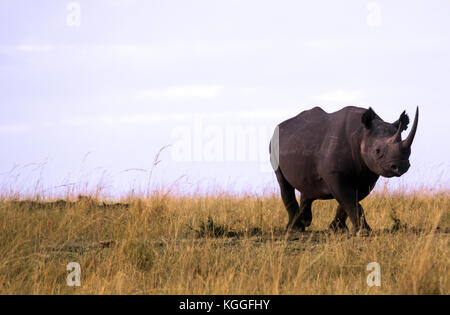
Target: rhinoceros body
<point x="337" y="155"/>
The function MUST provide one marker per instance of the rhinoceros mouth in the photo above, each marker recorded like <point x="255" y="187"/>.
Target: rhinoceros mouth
<point x="396" y="168"/>
<point x="389" y="174"/>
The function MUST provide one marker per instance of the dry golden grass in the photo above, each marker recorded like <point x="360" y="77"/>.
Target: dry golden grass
<point x="220" y="245"/>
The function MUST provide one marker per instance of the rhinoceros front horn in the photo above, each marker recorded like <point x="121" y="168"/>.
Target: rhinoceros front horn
<point x="408" y="141"/>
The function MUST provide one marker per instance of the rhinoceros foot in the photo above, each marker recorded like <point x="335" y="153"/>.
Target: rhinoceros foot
<point x="338" y="227"/>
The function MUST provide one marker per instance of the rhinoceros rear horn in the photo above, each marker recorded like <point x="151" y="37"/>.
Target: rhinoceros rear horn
<point x="408" y="141"/>
<point x="398" y="135"/>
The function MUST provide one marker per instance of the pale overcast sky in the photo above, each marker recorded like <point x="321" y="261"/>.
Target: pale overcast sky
<point x="90" y="89"/>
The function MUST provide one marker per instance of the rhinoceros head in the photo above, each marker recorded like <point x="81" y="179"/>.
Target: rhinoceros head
<point x="382" y="148"/>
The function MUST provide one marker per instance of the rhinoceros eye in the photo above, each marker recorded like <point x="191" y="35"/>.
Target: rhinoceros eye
<point x="378" y="153"/>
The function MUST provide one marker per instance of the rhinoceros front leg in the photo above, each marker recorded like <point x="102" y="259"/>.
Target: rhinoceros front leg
<point x="338" y="224"/>
<point x="290" y="203"/>
<point x="347" y="196"/>
<point x="362" y="219"/>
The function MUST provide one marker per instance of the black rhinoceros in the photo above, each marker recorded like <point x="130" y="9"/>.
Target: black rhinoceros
<point x="337" y="155"/>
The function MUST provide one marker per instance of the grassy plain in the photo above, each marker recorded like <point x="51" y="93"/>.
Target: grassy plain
<point x="220" y="245"/>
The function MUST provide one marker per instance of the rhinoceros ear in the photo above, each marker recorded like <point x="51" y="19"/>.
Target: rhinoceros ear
<point x="404" y="119"/>
<point x="367" y="118"/>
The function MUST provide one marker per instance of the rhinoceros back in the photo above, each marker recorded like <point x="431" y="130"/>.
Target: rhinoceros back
<point x="312" y="139"/>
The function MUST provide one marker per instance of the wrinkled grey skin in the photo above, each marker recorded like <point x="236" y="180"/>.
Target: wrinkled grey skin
<point x="339" y="155"/>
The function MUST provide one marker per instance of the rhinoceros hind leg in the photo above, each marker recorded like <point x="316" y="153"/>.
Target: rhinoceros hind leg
<point x="290" y="202"/>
